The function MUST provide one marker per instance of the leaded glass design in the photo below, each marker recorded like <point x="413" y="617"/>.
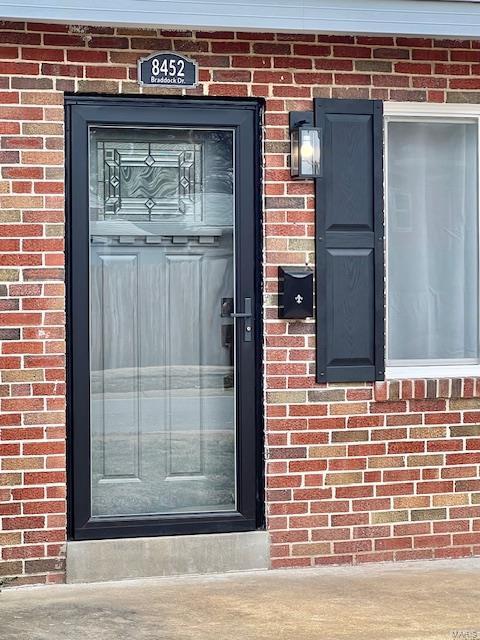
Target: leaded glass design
<point x="180" y="177"/>
<point x="149" y="180"/>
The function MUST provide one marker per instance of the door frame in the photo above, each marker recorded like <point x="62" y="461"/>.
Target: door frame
<point x="81" y="111"/>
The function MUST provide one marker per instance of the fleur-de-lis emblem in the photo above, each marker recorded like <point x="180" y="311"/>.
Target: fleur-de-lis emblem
<point x="298" y="299"/>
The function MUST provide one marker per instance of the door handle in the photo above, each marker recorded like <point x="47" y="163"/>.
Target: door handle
<point x="247" y="317"/>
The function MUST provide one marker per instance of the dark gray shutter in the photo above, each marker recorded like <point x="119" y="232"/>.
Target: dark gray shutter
<point x="349" y="242"/>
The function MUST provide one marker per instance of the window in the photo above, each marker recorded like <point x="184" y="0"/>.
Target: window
<point x="432" y="220"/>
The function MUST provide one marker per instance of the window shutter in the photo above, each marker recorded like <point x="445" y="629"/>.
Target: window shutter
<point x="349" y="242"/>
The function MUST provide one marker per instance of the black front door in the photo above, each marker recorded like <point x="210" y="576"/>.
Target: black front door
<point x="164" y="333"/>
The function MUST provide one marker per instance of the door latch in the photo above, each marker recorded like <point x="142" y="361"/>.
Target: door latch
<point x="246" y="316"/>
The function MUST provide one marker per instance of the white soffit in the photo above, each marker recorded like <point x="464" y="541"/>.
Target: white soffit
<point x="444" y="18"/>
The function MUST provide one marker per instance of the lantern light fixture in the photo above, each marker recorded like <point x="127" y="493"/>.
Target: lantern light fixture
<point x="306" y="151"/>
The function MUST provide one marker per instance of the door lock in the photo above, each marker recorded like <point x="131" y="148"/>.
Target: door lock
<point x="247" y="319"/>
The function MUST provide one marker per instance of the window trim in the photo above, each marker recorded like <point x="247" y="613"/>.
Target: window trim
<point x="404" y="111"/>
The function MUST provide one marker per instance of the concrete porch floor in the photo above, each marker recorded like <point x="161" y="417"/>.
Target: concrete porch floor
<point x="434" y="600"/>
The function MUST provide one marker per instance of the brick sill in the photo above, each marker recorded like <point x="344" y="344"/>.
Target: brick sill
<point x="431" y="388"/>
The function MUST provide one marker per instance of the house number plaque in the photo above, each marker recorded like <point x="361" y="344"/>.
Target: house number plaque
<point x="168" y="70"/>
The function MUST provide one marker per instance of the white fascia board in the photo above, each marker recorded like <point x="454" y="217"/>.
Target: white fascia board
<point x="442" y="18"/>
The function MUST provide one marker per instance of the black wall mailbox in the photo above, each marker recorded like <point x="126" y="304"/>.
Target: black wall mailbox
<point x="295" y="292"/>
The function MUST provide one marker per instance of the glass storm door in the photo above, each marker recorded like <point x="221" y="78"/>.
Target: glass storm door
<point x="162" y="315"/>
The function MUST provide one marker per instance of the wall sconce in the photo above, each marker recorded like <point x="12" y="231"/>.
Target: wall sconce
<point x="306" y="151"/>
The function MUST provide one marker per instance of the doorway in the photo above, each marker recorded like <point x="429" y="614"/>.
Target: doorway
<point x="163" y="316"/>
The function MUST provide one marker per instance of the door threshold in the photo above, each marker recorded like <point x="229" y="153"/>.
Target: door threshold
<point x="129" y="558"/>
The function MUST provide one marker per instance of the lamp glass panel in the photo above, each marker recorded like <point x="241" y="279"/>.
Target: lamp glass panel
<point x="310" y="151"/>
<point x="294" y="150"/>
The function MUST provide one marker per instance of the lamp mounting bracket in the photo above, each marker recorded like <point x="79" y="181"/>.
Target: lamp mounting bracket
<point x="300" y="118"/>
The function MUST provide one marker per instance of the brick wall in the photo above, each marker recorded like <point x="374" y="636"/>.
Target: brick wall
<point x="354" y="473"/>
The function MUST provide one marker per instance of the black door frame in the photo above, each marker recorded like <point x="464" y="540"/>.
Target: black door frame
<point x="245" y="117"/>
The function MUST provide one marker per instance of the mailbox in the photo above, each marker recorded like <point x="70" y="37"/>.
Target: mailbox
<point x="295" y="292"/>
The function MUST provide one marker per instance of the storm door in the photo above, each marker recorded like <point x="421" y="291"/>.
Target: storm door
<point x="162" y="310"/>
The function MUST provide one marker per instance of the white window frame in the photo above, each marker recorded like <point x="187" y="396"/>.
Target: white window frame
<point x="404" y="111"/>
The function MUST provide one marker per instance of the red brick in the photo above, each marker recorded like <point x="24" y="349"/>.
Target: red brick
<point x="104" y="72"/>
<point x="354" y="492"/>
<point x="445" y="445"/>
<point x="365" y="421"/>
<point x="8" y="52"/>
<point x="44" y="477"/>
<point x="335" y="560"/>
<point x="432" y="541"/>
<point x="412" y="528"/>
<point x="330" y="506"/>
<point x="396" y="489"/>
<point x="452" y="69"/>
<point x="349" y="520"/>
<point x="13" y="553"/>
<point x="401" y="475"/>
<point x="453" y="552"/>
<point x="352" y="52"/>
<point x="101" y="42"/>
<point x="19" y="68"/>
<point x="313" y="78"/>
<point x="252" y="62"/>
<point x="371" y="504"/>
<point x="44" y="536"/>
<point x="366" y="449"/>
<point x="22" y="404"/>
<point x="289" y="536"/>
<point x="389" y="544"/>
<point x="414" y="554"/>
<point x="352" y="79"/>
<point x="345" y="464"/>
<point x="9" y="128"/>
<point x="353" y="546"/>
<point x="435" y="487"/>
<point x="44" y="362"/>
<point x="388" y="407"/>
<point x="465" y="83"/>
<point x="463" y="458"/>
<point x="465" y="512"/>
<point x="442" y="418"/>
<point x="226" y="75"/>
<point x="22" y="523"/>
<point x="44" y="506"/>
<point x="31" y="493"/>
<point x="427" y="405"/>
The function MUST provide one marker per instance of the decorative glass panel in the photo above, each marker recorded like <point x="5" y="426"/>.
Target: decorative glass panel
<point x="149" y="180"/>
<point x="162" y="175"/>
